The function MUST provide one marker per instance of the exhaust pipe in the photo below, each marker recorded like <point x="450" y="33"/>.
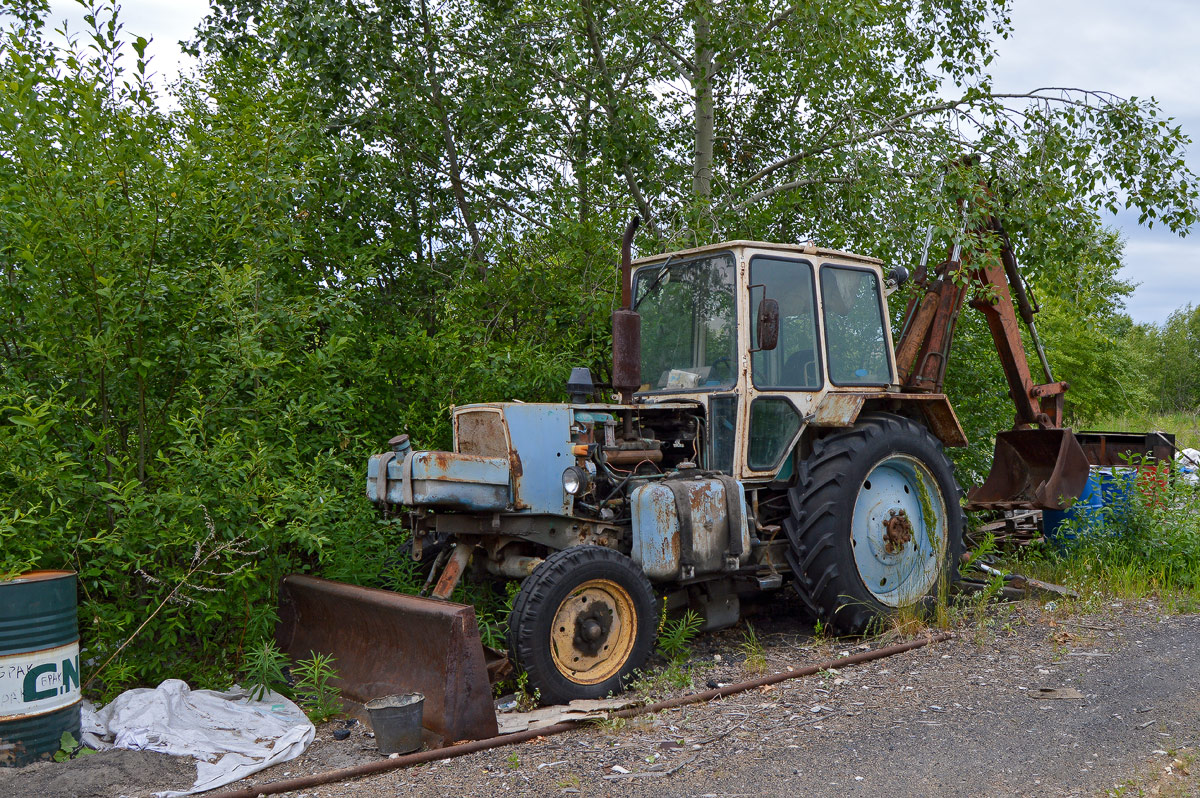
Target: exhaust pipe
<point x="627" y="328"/>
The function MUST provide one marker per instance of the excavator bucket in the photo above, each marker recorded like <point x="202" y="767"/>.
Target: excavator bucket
<point x="384" y="643"/>
<point x="1042" y="469"/>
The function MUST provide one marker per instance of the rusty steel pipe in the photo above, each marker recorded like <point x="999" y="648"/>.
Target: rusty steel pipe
<point x="627" y="263"/>
<point x="453" y="571"/>
<point x="627" y="332"/>
<point x="633" y="456"/>
<point x="420" y="758"/>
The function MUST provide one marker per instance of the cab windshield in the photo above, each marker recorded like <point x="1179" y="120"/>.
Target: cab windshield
<point x="689" y="338"/>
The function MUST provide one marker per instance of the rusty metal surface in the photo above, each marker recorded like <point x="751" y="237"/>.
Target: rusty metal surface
<point x="1032" y="468"/>
<point x="627" y="262"/>
<point x="897" y="531"/>
<point x="838" y="409"/>
<point x="453" y="571"/>
<point x="633" y="456"/>
<point x="688" y="526"/>
<point x="935" y="409"/>
<point x="481" y="432"/>
<point x="627" y="353"/>
<point x="627" y="325"/>
<point x="933" y="355"/>
<point x="1114" y="448"/>
<point x="448" y="480"/>
<point x="1006" y="334"/>
<point x="940" y="417"/>
<point x="385" y="643"/>
<point x="916" y="327"/>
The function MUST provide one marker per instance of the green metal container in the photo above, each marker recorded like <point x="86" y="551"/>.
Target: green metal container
<point x="39" y="665"/>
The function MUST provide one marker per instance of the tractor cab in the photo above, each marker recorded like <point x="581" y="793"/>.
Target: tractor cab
<point x="759" y="335"/>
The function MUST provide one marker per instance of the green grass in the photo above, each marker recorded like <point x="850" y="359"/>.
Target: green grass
<point x="1186" y="426"/>
<point x="1146" y="546"/>
<point x="1150" y="547"/>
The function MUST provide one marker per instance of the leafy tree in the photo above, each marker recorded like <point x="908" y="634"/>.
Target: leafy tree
<point x="359" y="213"/>
<point x="183" y="389"/>
<point x="1170" y="353"/>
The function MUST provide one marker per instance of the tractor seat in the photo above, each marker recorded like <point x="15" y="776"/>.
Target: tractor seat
<point x="800" y="368"/>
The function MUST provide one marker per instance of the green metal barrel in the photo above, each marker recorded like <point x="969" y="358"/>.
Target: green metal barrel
<point x="39" y="665"/>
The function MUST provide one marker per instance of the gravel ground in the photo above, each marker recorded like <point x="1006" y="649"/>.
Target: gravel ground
<point x="956" y="718"/>
<point x="131" y="774"/>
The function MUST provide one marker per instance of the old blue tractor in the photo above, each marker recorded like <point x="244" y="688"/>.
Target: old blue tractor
<point x="767" y="434"/>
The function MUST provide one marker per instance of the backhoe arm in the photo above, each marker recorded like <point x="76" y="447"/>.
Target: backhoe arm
<point x="928" y="332"/>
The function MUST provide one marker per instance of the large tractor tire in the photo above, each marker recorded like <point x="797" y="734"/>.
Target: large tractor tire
<point x="876" y="523"/>
<point x="582" y="623"/>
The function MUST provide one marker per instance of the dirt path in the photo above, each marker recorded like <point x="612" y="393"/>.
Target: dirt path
<point x="952" y="719"/>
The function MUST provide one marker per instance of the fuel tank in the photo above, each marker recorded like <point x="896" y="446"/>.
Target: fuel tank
<point x="687" y="527"/>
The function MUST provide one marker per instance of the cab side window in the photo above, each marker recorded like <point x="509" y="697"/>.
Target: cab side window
<point x="795" y="363"/>
<point x="855" y="337"/>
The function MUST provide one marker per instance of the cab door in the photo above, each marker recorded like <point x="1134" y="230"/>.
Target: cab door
<point x="784" y="381"/>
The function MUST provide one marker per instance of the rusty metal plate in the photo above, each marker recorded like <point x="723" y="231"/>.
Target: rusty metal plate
<point x="384" y="643"/>
<point x="1115" y="448"/>
<point x="838" y="409"/>
<point x="481" y="432"/>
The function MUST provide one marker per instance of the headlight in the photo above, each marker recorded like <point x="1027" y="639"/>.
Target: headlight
<point x="574" y="480"/>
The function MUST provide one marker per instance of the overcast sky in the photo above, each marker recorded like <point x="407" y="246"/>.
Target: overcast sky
<point x="1138" y="49"/>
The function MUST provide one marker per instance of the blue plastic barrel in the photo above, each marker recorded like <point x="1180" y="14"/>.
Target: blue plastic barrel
<point x="1083" y="513"/>
<point x="1119" y="487"/>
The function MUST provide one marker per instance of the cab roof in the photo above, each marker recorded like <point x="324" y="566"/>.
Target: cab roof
<point x="790" y="249"/>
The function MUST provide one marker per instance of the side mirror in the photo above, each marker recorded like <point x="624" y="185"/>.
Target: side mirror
<point x="767" y="326"/>
<point x="897" y="277"/>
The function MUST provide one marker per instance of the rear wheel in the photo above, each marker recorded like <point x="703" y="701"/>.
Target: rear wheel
<point x="582" y="623"/>
<point x="876" y="523"/>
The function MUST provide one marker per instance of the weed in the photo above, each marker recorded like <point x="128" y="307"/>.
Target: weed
<point x="675" y="637"/>
<point x="677" y="674"/>
<point x="645" y="684"/>
<point x="820" y="632"/>
<point x="513" y="761"/>
<point x="751" y="646"/>
<point x="492" y="608"/>
<point x="187" y="589"/>
<point x="570" y="782"/>
<point x="70" y="748"/>
<point x="265" y="670"/>
<point x="975" y="610"/>
<point x="526" y="701"/>
<point x="612" y="724"/>
<point x="319" y="699"/>
<point x="1145" y="541"/>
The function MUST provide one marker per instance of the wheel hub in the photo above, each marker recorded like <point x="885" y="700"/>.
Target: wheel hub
<point x="593" y="632"/>
<point x="897" y="530"/>
<point x="592" y="627"/>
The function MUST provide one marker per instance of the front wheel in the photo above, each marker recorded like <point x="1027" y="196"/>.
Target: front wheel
<point x="582" y="623"/>
<point x="876" y="523"/>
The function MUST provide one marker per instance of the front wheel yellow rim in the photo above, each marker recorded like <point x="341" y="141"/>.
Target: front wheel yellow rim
<point x="593" y="632"/>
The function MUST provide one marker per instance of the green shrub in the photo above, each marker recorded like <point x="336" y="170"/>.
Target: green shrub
<point x="1148" y="541"/>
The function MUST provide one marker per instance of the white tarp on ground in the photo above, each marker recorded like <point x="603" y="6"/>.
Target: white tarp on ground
<point x="1189" y="464"/>
<point x="229" y="735"/>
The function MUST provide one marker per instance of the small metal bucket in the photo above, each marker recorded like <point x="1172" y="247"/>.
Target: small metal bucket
<point x="396" y="720"/>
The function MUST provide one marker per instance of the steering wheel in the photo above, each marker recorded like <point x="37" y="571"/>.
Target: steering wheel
<point x="720" y="362"/>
